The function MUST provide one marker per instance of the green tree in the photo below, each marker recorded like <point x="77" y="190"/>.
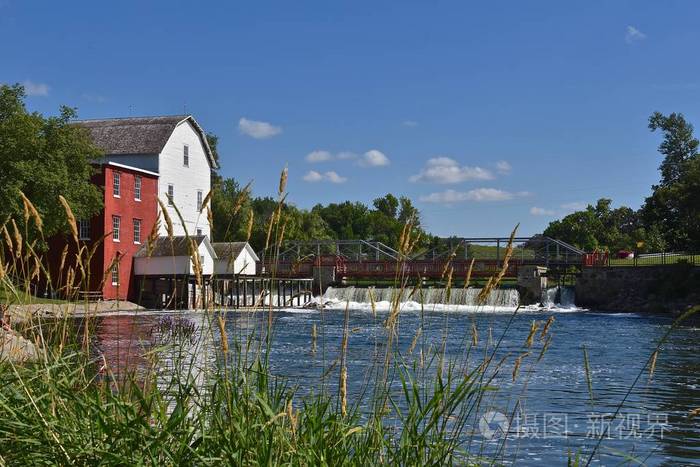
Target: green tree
<point x="387" y="205"/>
<point x="44" y="157"/>
<point x="407" y="212"/>
<point x="603" y="228"/>
<point x="228" y="226"/>
<point x="673" y="207"/>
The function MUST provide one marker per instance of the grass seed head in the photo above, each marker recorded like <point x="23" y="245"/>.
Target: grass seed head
<point x="251" y="218"/>
<point x="531" y="335"/>
<point x="168" y="220"/>
<point x="518" y="362"/>
<point x="18" y="239"/>
<point x="652" y="365"/>
<point x="283" y="181"/>
<point x="30" y="209"/>
<point x="205" y="201"/>
<point x="71" y="218"/>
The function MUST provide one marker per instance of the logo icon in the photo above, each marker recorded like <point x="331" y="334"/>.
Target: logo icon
<point x="493" y="425"/>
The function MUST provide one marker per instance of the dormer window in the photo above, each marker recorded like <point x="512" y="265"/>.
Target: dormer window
<point x="186" y="155"/>
<point x="116" y="184"/>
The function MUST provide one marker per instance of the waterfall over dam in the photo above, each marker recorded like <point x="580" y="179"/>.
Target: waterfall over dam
<point x="359" y="297"/>
<point x="561" y="296"/>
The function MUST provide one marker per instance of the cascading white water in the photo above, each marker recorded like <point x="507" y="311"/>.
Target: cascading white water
<point x="503" y="298"/>
<point x="562" y="296"/>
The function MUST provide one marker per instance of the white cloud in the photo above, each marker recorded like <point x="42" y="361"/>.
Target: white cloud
<point x="374" y="158"/>
<point x="410" y="123"/>
<point x="312" y="176"/>
<point x="345" y="155"/>
<point x="574" y="206"/>
<point x="258" y="130"/>
<point x="535" y="211"/>
<point x="477" y="195"/>
<point x="319" y="156"/>
<point x="35" y="89"/>
<point x="333" y="177"/>
<point x="633" y="35"/>
<point x="503" y="167"/>
<point x="445" y="170"/>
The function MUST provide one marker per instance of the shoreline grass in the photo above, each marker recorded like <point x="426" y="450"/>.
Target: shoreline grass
<point x="207" y="395"/>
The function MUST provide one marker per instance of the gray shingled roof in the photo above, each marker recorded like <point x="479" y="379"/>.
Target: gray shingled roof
<point x="164" y="246"/>
<point x="229" y="249"/>
<point x="139" y="135"/>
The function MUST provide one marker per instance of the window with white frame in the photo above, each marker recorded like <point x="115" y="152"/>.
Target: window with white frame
<point x="137" y="230"/>
<point x="137" y="188"/>
<point x="116" y="184"/>
<point x="171" y="194"/>
<point x="199" y="232"/>
<point x="116" y="225"/>
<point x="186" y="155"/>
<point x="84" y="229"/>
<point x="199" y="200"/>
<point x="115" y="274"/>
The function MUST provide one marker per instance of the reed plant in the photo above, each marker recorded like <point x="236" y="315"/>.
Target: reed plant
<point x="207" y="393"/>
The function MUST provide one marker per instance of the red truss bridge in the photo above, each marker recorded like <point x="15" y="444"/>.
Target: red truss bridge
<point x="357" y="259"/>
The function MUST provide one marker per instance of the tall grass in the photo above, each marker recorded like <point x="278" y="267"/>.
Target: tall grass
<point x="209" y="395"/>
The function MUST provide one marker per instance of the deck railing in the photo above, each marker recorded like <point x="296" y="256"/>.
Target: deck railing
<point x="645" y="259"/>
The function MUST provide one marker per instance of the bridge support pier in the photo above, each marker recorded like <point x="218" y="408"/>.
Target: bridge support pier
<point x="532" y="281"/>
<point x="323" y="277"/>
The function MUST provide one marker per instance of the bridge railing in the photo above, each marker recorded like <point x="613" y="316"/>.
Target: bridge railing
<point x="645" y="259"/>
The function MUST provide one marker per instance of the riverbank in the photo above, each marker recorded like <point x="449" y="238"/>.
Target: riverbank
<point x="22" y="313"/>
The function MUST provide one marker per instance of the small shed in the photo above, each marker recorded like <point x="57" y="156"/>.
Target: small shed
<point x="171" y="257"/>
<point x="237" y="258"/>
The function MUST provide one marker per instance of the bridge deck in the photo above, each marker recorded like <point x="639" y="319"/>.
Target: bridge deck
<point x="417" y="268"/>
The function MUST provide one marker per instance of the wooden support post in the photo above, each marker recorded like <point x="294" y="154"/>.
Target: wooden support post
<point x="278" y="292"/>
<point x="238" y="292"/>
<point x="245" y="293"/>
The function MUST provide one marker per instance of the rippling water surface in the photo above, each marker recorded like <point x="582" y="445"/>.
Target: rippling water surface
<point x="547" y="414"/>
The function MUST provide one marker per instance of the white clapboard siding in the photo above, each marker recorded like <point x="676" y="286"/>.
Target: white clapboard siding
<point x="244" y="264"/>
<point x="162" y="265"/>
<point x="185" y="180"/>
<point x="205" y="252"/>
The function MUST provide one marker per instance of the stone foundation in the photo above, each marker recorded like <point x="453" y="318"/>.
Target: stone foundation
<point x="532" y="281"/>
<point x="673" y="288"/>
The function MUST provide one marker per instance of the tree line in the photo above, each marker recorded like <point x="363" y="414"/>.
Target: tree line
<point x="236" y="215"/>
<point x="669" y="219"/>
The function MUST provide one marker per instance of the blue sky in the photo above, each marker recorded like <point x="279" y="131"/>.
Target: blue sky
<point x="485" y="113"/>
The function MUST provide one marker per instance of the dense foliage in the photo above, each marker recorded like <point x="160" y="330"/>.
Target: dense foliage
<point x="233" y="209"/>
<point x="600" y="227"/>
<point x="44" y="157"/>
<point x="669" y="218"/>
<point x="674" y="205"/>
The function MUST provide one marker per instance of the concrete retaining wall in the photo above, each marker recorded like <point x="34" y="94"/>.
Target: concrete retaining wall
<point x="672" y="288"/>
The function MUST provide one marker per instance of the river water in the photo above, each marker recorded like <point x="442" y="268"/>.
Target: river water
<point x="545" y="417"/>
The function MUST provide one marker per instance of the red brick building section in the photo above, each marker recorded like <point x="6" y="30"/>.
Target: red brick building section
<point x="119" y="230"/>
<point x="131" y="209"/>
